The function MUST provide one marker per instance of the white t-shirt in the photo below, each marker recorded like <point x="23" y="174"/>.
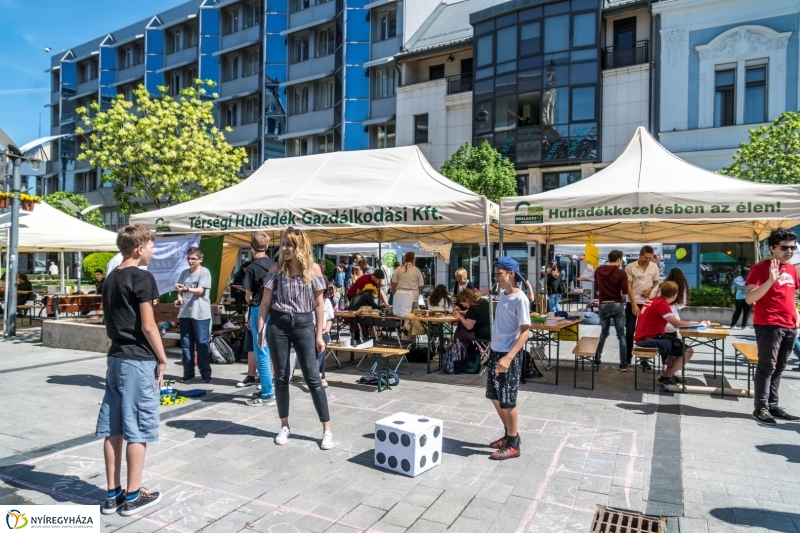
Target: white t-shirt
<point x="513" y="311"/>
<point x="115" y="262"/>
<point x="641" y="279"/>
<point x="327" y="310"/>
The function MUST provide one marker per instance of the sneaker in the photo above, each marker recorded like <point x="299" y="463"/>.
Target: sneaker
<point x="506" y="452"/>
<point x="677" y="380"/>
<point x="146" y="499"/>
<point x="258" y="387"/>
<point x="206" y="380"/>
<point x="283" y="436"/>
<point x="327" y="440"/>
<point x="623" y="368"/>
<point x="667" y="381"/>
<point x="259" y="401"/>
<point x="246" y="382"/>
<point x="763" y="417"/>
<point x="778" y="412"/>
<point x="186" y="379"/>
<point x="111" y="505"/>
<point x="499" y="443"/>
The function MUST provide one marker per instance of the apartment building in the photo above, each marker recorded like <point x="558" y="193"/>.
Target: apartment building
<point x="236" y="43"/>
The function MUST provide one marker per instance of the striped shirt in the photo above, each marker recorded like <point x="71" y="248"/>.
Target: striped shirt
<point x="292" y="295"/>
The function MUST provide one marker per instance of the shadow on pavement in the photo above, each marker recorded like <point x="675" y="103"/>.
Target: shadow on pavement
<point x="59" y="487"/>
<point x="790" y="451"/>
<point x="79" y="380"/>
<point x="205" y="427"/>
<point x="771" y="520"/>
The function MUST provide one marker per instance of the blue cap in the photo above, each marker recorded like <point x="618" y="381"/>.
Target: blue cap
<point x="506" y="263"/>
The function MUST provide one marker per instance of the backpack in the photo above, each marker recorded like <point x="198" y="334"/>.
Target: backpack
<point x="472" y="363"/>
<point x="591" y="318"/>
<point x="371" y="378"/>
<point x="221" y="351"/>
<point x="529" y="370"/>
<point x="455" y="357"/>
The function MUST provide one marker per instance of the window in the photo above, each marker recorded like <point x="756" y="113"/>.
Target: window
<point x="584" y="29"/>
<point x="508" y="50"/>
<point x="325" y="143"/>
<point x="420" y="129"/>
<point x="387" y="25"/>
<point x="300" y="49"/>
<point x="250" y="15"/>
<point x="252" y="158"/>
<point x="230" y="66"/>
<point x="506" y="116"/>
<point x="324" y="94"/>
<point x="127" y="92"/>
<point x="529" y="109"/>
<point x="230" y="20"/>
<point x="556" y="34"/>
<point x="530" y="38"/>
<point x="86" y="181"/>
<point x="325" y="43"/>
<point x="55" y="116"/>
<point x="173" y="40"/>
<point x="485" y="50"/>
<point x="138" y="53"/>
<point x="436" y="72"/>
<point x="251" y="110"/>
<point x="385" y="82"/>
<point x="755" y="95"/>
<point x="300" y="146"/>
<point x="174" y="79"/>
<point x="300" y="100"/>
<point x="554" y="180"/>
<point x="230" y="114"/>
<point x="724" y="98"/>
<point x="190" y="36"/>
<point x="126" y="57"/>
<point x="250" y="66"/>
<point x="189" y="76"/>
<point x="583" y="101"/>
<point x="385" y="136"/>
<point x="55" y="81"/>
<point x="87" y="71"/>
<point x="298" y="5"/>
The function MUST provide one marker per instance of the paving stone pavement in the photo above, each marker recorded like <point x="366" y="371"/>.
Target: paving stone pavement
<point x="697" y="458"/>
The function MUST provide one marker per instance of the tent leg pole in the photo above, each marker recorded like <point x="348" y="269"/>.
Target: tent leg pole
<point x="500" y="245"/>
<point x="755" y="248"/>
<point x="61" y="268"/>
<point x="5" y="298"/>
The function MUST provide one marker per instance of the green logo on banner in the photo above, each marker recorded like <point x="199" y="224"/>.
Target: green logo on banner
<point x="525" y="213"/>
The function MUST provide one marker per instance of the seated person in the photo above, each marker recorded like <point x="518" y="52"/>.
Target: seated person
<point x="374" y="279"/>
<point x="365" y="298"/>
<point x="651" y="326"/>
<point x="438" y="300"/>
<point x="24" y="289"/>
<point x="473" y="314"/>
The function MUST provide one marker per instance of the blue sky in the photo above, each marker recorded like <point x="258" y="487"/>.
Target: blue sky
<point x="28" y="26"/>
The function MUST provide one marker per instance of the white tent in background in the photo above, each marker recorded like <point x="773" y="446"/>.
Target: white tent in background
<point x="384" y="195"/>
<point x="650" y="195"/>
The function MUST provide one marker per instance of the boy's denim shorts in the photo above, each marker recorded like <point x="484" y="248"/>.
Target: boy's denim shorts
<point x="131" y="401"/>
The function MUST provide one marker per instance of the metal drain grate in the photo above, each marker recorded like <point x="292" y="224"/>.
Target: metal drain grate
<point x="608" y="520"/>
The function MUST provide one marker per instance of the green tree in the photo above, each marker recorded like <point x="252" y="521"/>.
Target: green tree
<point x="162" y="150"/>
<point x="483" y="170"/>
<point x="80" y="201"/>
<point x="772" y="155"/>
<point x="96" y="261"/>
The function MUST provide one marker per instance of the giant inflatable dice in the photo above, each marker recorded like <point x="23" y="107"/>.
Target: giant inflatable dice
<point x="408" y="444"/>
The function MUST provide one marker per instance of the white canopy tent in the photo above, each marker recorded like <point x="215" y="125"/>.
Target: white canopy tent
<point x="384" y="195"/>
<point x="650" y="195"/>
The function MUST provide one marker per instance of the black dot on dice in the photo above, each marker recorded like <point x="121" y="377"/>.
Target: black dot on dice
<point x="398" y="422"/>
<point x="381" y="458"/>
<point x="406" y="440"/>
<point x="422" y="420"/>
<point x="405" y="465"/>
<point x="422" y="440"/>
<point x="393" y="461"/>
<point x="393" y="437"/>
<point x="381" y="435"/>
<point x="435" y="457"/>
<point x="422" y="461"/>
<point x="436" y="431"/>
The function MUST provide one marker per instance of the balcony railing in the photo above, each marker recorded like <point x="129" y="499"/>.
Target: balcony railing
<point x="626" y="55"/>
<point x="459" y="84"/>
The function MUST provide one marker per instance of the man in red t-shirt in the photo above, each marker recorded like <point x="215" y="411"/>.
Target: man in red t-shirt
<point x="651" y="326"/>
<point x="373" y="279"/>
<point x="771" y="288"/>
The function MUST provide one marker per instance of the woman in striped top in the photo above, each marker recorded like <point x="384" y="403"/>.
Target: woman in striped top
<point x="291" y="297"/>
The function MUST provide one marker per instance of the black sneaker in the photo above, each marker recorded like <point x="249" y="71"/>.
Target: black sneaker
<point x="206" y="380"/>
<point x="246" y="382"/>
<point x="111" y="505"/>
<point x="623" y="368"/>
<point x="186" y="379"/>
<point x="146" y="500"/>
<point x="778" y="412"/>
<point x="667" y="381"/>
<point x="763" y="417"/>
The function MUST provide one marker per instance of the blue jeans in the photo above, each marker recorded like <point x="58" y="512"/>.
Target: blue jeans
<point x="553" y="301"/>
<point x="195" y="336"/>
<point x="262" y="357"/>
<point x="797" y="347"/>
<point x="612" y="311"/>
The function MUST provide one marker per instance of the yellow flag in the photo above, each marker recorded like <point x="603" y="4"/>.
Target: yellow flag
<point x="592" y="254"/>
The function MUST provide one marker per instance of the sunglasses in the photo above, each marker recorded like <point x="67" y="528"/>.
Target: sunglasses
<point x="786" y="248"/>
<point x="290" y="229"/>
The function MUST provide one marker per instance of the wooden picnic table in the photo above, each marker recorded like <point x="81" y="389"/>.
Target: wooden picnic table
<point x="545" y="334"/>
<point x="381" y="354"/>
<point x="705" y="337"/>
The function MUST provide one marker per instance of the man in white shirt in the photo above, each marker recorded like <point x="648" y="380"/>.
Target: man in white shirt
<point x="643" y="277"/>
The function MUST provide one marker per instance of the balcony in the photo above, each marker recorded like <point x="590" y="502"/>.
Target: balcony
<point x="314" y="13"/>
<point x="459" y="84"/>
<point x="626" y="55"/>
<point x="310" y="120"/>
<point x="310" y="67"/>
<point x="136" y="72"/>
<point x="244" y="85"/>
<point x="241" y="38"/>
<point x="181" y="57"/>
<point x="242" y="135"/>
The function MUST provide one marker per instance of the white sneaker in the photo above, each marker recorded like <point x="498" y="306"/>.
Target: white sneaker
<point x="283" y="436"/>
<point x="258" y="402"/>
<point x="327" y="440"/>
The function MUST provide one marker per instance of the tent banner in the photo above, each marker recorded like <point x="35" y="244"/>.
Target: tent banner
<point x="169" y="260"/>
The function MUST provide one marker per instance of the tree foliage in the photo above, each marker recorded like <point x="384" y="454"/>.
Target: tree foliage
<point x="80" y="201"/>
<point x="483" y="170"/>
<point x="772" y="155"/>
<point x="162" y="150"/>
<point x="96" y="261"/>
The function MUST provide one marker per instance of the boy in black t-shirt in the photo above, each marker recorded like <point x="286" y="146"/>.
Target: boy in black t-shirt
<point x="135" y="372"/>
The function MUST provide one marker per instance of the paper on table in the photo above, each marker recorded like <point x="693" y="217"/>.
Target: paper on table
<point x="367" y="344"/>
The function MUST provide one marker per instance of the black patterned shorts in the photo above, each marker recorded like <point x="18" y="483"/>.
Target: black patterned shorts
<point x="503" y="387"/>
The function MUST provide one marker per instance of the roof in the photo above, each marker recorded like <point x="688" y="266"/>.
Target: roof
<point x="448" y="24"/>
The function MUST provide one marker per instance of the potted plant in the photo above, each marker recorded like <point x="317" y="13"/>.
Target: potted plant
<point x="5" y="199"/>
<point x="29" y="201"/>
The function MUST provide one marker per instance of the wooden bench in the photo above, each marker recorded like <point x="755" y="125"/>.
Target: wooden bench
<point x="586" y="348"/>
<point x="750" y="353"/>
<point x="62" y="305"/>
<point x="169" y="313"/>
<point x="380" y="354"/>
<point x="642" y="352"/>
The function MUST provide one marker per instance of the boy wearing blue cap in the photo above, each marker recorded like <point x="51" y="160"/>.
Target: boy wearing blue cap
<point x="509" y="335"/>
